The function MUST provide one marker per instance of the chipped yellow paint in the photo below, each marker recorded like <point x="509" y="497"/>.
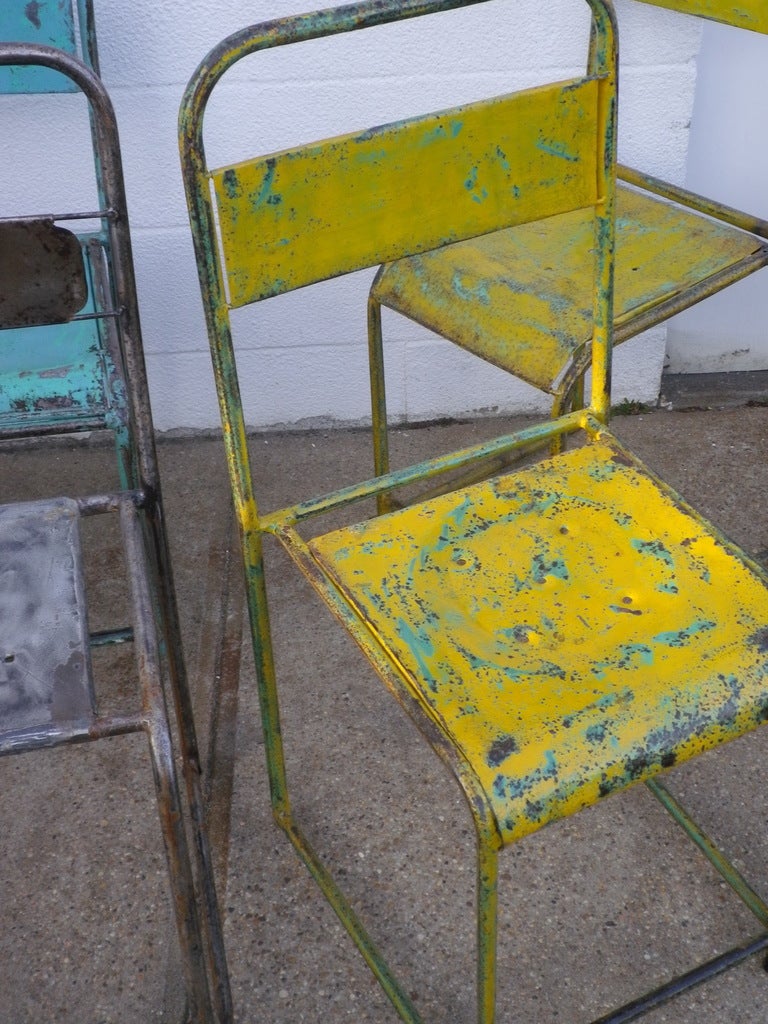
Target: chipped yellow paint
<point x="613" y="634"/>
<point x="750" y="14"/>
<point x="305" y="214"/>
<point x="522" y="298"/>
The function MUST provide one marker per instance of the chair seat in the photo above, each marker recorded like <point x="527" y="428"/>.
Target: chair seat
<point x="45" y="668"/>
<point x="614" y="634"/>
<point x="532" y="284"/>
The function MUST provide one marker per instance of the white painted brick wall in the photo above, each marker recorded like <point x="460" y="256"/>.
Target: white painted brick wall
<point x="727" y="160"/>
<point x="303" y="356"/>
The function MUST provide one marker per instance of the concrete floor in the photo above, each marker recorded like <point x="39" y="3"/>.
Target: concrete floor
<point x="594" y="908"/>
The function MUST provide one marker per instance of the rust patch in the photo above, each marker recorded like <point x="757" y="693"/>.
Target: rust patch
<point x="760" y="639"/>
<point x="70" y="701"/>
<point x="54" y="402"/>
<point x="500" y="750"/>
<point x="54" y="373"/>
<point x="32" y="13"/>
<point x="622" y="460"/>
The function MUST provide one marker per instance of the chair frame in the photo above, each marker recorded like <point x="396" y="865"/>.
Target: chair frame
<point x="148" y="557"/>
<point x="284" y="523"/>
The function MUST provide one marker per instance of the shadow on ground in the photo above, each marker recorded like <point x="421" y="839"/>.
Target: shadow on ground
<point x="594" y="908"/>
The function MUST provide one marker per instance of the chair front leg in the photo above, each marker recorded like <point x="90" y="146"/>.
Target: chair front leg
<point x="487" y="929"/>
<point x="384" y="502"/>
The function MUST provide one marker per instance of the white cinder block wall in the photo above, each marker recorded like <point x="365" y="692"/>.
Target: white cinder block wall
<point x="727" y="160"/>
<point x="303" y="356"/>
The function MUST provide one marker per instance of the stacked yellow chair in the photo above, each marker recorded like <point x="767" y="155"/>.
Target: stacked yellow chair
<point x="520" y="298"/>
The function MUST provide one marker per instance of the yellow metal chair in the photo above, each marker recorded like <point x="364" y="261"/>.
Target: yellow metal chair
<point x="558" y="634"/>
<point x="673" y="249"/>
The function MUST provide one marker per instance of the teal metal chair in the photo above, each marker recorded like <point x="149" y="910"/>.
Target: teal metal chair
<point x="673" y="249"/>
<point x="73" y="298"/>
<point x="64" y="377"/>
<point x="559" y="633"/>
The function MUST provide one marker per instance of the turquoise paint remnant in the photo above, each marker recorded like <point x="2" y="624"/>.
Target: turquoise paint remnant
<point x="373" y="157"/>
<point x="502" y="156"/>
<point x="642" y="652"/>
<point x="680" y="637"/>
<point x="520" y="633"/>
<point x="454" y="521"/>
<point x="628" y="657"/>
<point x="668" y="588"/>
<point x="542" y="567"/>
<point x="473" y="293"/>
<point x="421" y="647"/>
<point x="509" y="673"/>
<point x="265" y="194"/>
<point x="479" y="196"/>
<point x="440" y="132"/>
<point x="595" y="733"/>
<point x="465" y="561"/>
<point x="603" y="471"/>
<point x="516" y="788"/>
<point x="602" y="704"/>
<point x="556" y="149"/>
<point x="231" y="184"/>
<point x="655" y="548"/>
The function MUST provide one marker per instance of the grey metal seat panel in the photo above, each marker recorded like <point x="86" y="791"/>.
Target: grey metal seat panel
<point x="45" y="669"/>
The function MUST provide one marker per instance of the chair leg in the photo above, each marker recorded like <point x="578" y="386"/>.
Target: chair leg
<point x="565" y="401"/>
<point x="487" y="930"/>
<point x="378" y="400"/>
<point x="181" y="876"/>
<point x="576" y="396"/>
<point x="179" y="868"/>
<point x="559" y="404"/>
<point x="125" y="459"/>
<point x="190" y="756"/>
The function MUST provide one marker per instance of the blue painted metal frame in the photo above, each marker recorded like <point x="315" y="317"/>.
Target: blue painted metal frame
<point x="63" y="378"/>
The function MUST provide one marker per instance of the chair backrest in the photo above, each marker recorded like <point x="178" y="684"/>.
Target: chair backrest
<point x="56" y="290"/>
<point x="310" y="213"/>
<point x="749" y="14"/>
<point x="291" y="218"/>
<point x="65" y="25"/>
<point x="64" y="377"/>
